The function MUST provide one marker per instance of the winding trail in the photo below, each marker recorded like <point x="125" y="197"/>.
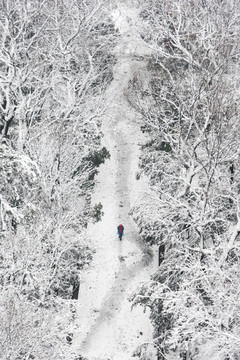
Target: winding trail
<point x="108" y="328"/>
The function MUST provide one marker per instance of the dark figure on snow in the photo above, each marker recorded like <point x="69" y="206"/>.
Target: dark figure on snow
<point x="120" y="231"/>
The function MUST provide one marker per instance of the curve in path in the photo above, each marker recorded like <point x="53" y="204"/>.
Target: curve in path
<point x="109" y="328"/>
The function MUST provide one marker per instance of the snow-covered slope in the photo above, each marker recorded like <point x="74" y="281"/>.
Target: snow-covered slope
<point x="107" y="326"/>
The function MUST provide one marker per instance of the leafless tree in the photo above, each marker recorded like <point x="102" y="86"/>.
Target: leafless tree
<point x="191" y="112"/>
<point x="55" y="65"/>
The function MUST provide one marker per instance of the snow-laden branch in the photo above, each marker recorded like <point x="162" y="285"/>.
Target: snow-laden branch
<point x="6" y="208"/>
<point x="229" y="245"/>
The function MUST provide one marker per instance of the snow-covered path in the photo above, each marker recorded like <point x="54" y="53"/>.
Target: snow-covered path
<point x="108" y="327"/>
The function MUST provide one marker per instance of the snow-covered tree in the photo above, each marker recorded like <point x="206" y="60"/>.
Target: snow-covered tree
<point x="55" y="65"/>
<point x="191" y="113"/>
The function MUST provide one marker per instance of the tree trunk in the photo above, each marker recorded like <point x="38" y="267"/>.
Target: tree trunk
<point x="75" y="292"/>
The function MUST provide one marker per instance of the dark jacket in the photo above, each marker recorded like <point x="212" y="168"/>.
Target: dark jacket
<point x="120" y="229"/>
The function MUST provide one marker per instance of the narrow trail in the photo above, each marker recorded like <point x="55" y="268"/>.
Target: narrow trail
<point x="108" y="328"/>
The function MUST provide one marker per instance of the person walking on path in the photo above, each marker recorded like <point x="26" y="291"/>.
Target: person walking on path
<point x="120" y="231"/>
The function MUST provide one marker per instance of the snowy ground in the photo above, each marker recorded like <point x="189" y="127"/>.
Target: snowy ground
<point x="108" y="328"/>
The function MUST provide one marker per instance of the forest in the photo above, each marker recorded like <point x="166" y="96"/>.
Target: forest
<point x="56" y="64"/>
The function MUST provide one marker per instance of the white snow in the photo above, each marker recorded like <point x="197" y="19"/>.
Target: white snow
<point x="107" y="327"/>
